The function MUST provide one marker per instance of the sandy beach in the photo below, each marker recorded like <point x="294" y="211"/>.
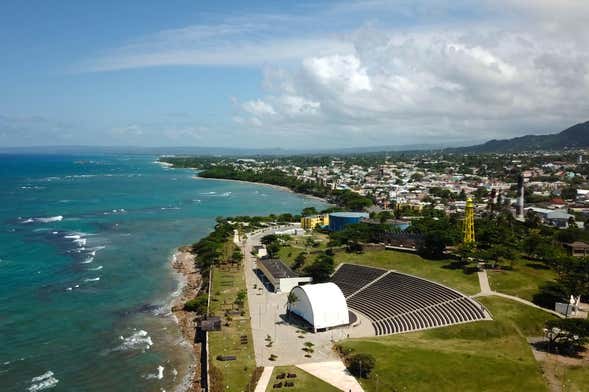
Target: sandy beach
<point x="183" y="263"/>
<point x="279" y="187"/>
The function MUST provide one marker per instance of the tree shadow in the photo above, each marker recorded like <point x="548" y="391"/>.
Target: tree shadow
<point x="537" y="266"/>
<point x="460" y="265"/>
<point x="544" y="347"/>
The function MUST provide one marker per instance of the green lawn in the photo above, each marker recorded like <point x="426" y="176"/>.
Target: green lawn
<point x="414" y="264"/>
<point x="523" y="281"/>
<point x="304" y="382"/>
<point x="236" y="374"/>
<point x="481" y="356"/>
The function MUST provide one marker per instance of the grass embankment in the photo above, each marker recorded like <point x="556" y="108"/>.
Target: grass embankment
<point x="299" y="244"/>
<point x="482" y="356"/>
<point x="226" y="284"/>
<point x="437" y="270"/>
<point x="524" y="280"/>
<point x="304" y="381"/>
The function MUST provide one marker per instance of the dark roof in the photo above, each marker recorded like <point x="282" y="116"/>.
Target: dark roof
<point x="212" y="323"/>
<point x="278" y="269"/>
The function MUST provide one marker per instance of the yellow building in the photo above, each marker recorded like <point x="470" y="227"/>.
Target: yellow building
<point x="310" y="222"/>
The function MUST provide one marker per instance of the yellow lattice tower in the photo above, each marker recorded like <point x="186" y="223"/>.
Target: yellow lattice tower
<point x="469" y="223"/>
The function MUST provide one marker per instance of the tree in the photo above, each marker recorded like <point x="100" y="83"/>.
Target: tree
<point x="290" y="300"/>
<point x="308" y="211"/>
<point x="569" y="193"/>
<point x="237" y="256"/>
<point x="360" y="365"/>
<point x="533" y="219"/>
<point x="321" y="269"/>
<point x="568" y="335"/>
<point x="268" y="239"/>
<point x="272" y="249"/>
<point x="299" y="261"/>
<point x="574" y="275"/>
<point x="499" y="253"/>
<point x="240" y="298"/>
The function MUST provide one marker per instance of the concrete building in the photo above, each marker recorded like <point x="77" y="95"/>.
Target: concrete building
<point x="322" y="305"/>
<point x="339" y="220"/>
<point x="310" y="222"/>
<point x="280" y="276"/>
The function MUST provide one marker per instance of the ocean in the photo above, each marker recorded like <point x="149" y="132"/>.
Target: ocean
<point x="85" y="276"/>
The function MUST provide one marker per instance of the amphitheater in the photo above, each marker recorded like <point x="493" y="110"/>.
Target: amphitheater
<point x="398" y="303"/>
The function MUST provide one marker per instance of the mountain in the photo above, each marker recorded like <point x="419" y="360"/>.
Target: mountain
<point x="576" y="136"/>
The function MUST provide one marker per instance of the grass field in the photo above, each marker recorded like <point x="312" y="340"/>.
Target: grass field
<point x="236" y="374"/>
<point x="481" y="356"/>
<point x="436" y="270"/>
<point x="303" y="383"/>
<point x="523" y="281"/>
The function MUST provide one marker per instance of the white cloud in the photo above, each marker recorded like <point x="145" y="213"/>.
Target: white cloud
<point x="504" y="67"/>
<point x="435" y="85"/>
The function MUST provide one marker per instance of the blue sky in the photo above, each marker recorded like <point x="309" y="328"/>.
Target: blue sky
<point x="290" y="74"/>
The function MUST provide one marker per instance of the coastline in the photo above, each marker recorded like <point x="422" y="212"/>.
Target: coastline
<point x="278" y="187"/>
<point x="190" y="285"/>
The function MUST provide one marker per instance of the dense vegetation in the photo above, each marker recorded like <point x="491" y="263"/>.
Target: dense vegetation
<point x="343" y="198"/>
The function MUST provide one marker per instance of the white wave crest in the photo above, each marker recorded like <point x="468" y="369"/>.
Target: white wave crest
<point x="50" y="219"/>
<point x="138" y="340"/>
<point x="95" y="269"/>
<point x="92" y="279"/>
<point x="159" y="375"/>
<point x="44" y="381"/>
<point x="88" y="260"/>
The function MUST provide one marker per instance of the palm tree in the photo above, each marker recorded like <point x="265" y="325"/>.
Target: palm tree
<point x="290" y="300"/>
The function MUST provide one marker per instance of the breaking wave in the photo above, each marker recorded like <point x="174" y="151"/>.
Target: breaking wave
<point x="44" y="381"/>
<point x="48" y="219"/>
<point x="139" y="340"/>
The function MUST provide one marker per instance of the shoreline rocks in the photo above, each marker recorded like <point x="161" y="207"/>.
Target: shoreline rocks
<point x="183" y="263"/>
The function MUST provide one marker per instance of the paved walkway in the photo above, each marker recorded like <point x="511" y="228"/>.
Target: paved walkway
<point x="269" y="319"/>
<point x="334" y="373"/>
<point x="484" y="283"/>
<point x="264" y="379"/>
<point x="487" y="291"/>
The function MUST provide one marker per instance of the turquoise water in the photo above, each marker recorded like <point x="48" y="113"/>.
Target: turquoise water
<point x="85" y="244"/>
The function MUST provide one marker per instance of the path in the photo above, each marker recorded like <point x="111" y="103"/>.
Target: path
<point x="334" y="373"/>
<point x="264" y="379"/>
<point x="487" y="291"/>
<point x="267" y="313"/>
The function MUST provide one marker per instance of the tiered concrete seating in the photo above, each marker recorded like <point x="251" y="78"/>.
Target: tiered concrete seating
<point x="351" y="278"/>
<point x="399" y="303"/>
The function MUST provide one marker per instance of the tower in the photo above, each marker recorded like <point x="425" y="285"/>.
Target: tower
<point x="469" y="223"/>
<point x="520" y="198"/>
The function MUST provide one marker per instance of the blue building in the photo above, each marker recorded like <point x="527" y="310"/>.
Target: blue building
<point x="338" y="220"/>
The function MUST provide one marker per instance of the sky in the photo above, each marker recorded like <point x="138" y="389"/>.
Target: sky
<point x="290" y="74"/>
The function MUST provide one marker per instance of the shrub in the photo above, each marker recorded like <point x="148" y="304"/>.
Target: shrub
<point x="360" y="365"/>
<point x="198" y="304"/>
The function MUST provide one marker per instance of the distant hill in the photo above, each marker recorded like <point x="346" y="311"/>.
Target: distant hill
<point x="576" y="136"/>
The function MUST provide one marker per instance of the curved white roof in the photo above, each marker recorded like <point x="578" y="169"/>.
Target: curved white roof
<point x="323" y="305"/>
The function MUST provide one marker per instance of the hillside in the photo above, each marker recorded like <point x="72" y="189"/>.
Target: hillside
<point x="576" y="136"/>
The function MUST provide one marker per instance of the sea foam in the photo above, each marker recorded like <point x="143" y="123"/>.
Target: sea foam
<point x="138" y="340"/>
<point x="44" y="381"/>
<point x="92" y="279"/>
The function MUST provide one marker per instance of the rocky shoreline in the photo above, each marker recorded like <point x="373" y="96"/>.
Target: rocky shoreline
<point x="183" y="263"/>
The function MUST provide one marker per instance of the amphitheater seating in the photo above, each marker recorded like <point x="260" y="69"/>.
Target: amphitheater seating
<point x="351" y="278"/>
<point x="397" y="303"/>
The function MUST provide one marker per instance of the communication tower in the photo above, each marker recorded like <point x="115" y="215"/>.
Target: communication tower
<point x="469" y="223"/>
